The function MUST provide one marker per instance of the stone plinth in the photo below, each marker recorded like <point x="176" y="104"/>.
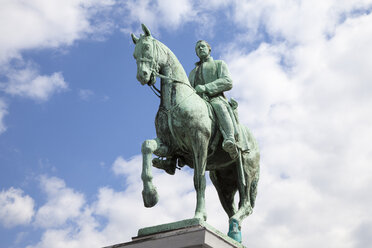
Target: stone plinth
<point x="191" y="233"/>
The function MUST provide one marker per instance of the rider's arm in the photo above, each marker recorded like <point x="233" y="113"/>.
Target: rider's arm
<point x="222" y="83"/>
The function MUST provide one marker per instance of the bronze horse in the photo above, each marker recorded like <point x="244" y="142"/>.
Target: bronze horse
<point x="185" y="130"/>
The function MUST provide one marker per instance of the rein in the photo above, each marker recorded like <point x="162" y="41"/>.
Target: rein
<point x="172" y="79"/>
<point x="154" y="68"/>
<point x="154" y="89"/>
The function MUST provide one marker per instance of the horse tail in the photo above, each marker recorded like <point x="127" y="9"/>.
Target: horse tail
<point x="252" y="166"/>
<point x="253" y="189"/>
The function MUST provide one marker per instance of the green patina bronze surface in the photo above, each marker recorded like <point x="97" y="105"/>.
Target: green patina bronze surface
<point x="197" y="126"/>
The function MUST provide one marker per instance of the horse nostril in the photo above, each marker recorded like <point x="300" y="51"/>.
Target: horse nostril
<point x="145" y="73"/>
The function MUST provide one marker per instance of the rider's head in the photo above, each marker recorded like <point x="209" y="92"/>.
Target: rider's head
<point x="202" y="49"/>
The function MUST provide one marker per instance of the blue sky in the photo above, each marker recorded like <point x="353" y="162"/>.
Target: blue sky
<point x="73" y="118"/>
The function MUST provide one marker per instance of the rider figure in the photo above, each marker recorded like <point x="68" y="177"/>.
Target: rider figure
<point x="211" y="78"/>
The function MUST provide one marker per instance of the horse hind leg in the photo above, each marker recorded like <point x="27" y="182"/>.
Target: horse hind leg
<point x="249" y="192"/>
<point x="227" y="186"/>
<point x="245" y="207"/>
<point x="226" y="190"/>
<point x="247" y="195"/>
<point x="149" y="193"/>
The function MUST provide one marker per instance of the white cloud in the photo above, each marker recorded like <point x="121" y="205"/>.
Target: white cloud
<point x="309" y="105"/>
<point x="176" y="12"/>
<point x="15" y="208"/>
<point x="118" y="208"/>
<point x="297" y="22"/>
<point x="3" y="112"/>
<point x="80" y="232"/>
<point x="160" y="13"/>
<point x="170" y="189"/>
<point x="49" y="24"/>
<point x="28" y="83"/>
<point x="170" y="15"/>
<point x="45" y="23"/>
<point x="85" y="94"/>
<point x="260" y="81"/>
<point x="62" y="204"/>
<point x="39" y="24"/>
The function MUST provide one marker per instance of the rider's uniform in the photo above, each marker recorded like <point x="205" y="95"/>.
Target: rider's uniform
<point x="216" y="78"/>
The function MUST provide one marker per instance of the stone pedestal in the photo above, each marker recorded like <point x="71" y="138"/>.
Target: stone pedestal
<point x="191" y="233"/>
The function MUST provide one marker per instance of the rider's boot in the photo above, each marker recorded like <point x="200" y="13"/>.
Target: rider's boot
<point x="226" y="127"/>
<point x="228" y="144"/>
<point x="169" y="165"/>
<point x="230" y="147"/>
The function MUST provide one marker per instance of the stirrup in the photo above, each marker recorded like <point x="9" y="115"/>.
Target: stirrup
<point x="169" y="165"/>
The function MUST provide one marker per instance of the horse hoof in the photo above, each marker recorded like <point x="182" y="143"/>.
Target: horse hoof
<point x="150" y="197"/>
<point x="234" y="231"/>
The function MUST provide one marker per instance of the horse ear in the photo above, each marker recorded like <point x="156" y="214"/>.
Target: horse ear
<point x="146" y="30"/>
<point x="134" y="38"/>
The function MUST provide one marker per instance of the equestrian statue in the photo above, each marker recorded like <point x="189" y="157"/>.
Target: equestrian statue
<point x="197" y="126"/>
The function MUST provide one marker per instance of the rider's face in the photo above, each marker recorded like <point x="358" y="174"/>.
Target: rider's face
<point x="202" y="50"/>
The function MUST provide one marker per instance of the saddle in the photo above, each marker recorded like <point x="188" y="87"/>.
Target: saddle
<point x="241" y="136"/>
<point x="170" y="164"/>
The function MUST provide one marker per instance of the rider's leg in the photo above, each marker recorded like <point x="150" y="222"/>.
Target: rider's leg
<point x="226" y="125"/>
<point x="168" y="164"/>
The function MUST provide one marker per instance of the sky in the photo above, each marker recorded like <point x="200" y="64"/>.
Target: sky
<point x="73" y="118"/>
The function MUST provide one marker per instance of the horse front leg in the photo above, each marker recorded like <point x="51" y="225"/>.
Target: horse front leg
<point x="200" y="150"/>
<point x="149" y="193"/>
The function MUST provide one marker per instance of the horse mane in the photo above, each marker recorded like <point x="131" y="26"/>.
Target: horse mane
<point x="163" y="48"/>
<point x="172" y="59"/>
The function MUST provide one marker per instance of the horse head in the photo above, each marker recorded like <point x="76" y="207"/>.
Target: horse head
<point x="144" y="54"/>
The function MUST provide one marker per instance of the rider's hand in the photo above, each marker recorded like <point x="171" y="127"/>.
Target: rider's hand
<point x="200" y="88"/>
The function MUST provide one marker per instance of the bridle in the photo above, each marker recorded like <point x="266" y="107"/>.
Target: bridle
<point x="154" y="68"/>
